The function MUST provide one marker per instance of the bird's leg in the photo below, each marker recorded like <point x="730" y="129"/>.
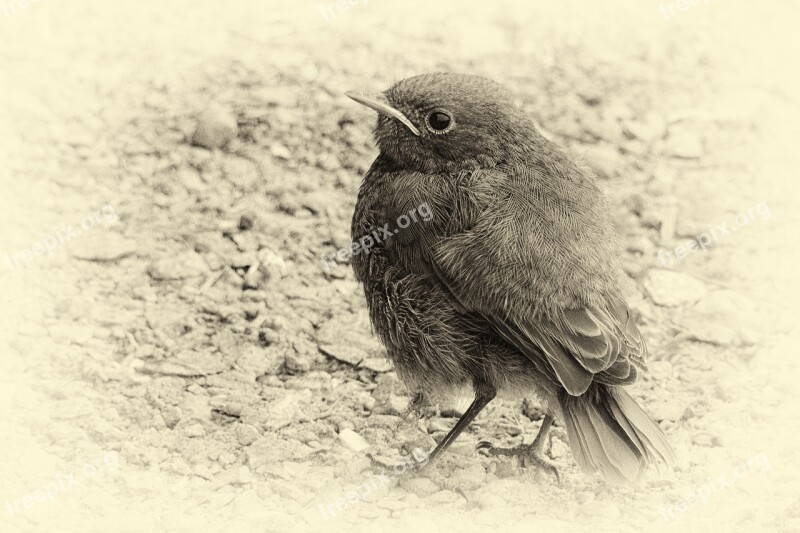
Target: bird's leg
<point x="533" y="452"/>
<point x="415" y="405"/>
<point x="482" y="398"/>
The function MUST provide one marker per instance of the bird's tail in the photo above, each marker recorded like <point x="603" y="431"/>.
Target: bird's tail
<point x="609" y="433"/>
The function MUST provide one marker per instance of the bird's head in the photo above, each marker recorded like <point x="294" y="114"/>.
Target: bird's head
<point x="440" y="121"/>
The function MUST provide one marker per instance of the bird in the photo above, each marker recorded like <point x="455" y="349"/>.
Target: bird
<point x="511" y="286"/>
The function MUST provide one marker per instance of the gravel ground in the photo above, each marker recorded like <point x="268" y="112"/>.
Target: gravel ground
<point x="176" y="357"/>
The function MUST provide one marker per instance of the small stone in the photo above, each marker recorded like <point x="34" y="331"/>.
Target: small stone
<point x="258" y="361"/>
<point x="604" y="159"/>
<point x="186" y="364"/>
<point x="650" y="129"/>
<point x="246" y="434"/>
<point x="328" y="161"/>
<point x="246" y="221"/>
<point x="640" y="244"/>
<point x="601" y="127"/>
<point x="271" y="265"/>
<point x="103" y="247"/>
<point x="669" y="289"/>
<point x="226" y="459"/>
<point x="469" y="477"/>
<point x="707" y="439"/>
<point x="241" y="476"/>
<point x="180" y="266"/>
<point x="194" y="430"/>
<point x="352" y="440"/>
<point x="394" y="405"/>
<point x="421" y="486"/>
<point x="684" y="144"/>
<point x="171" y="416"/>
<point x="216" y="126"/>
<point x="280" y="151"/>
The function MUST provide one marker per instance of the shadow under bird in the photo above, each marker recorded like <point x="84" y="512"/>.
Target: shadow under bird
<point x="512" y="287"/>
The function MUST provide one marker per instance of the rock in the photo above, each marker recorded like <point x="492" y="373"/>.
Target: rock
<point x="640" y="244"/>
<point x="271" y="265"/>
<point x="280" y="151"/>
<point x="284" y="97"/>
<point x="300" y="357"/>
<point x="469" y="477"/>
<point x="171" y="416"/>
<point x="377" y="364"/>
<point x="328" y="161"/>
<point x="669" y="289"/>
<point x="421" y="486"/>
<point x="103" y="246"/>
<point x="226" y="459"/>
<point x="180" y="266"/>
<point x="717" y="318"/>
<point x="651" y="128"/>
<point x="344" y="353"/>
<point x="186" y="364"/>
<point x="246" y="221"/>
<point x="352" y="440"/>
<point x="246" y="434"/>
<point x="604" y="159"/>
<point x="216" y="126"/>
<point x="601" y="128"/>
<point x="671" y="410"/>
<point x="684" y="144"/>
<point x="194" y="430"/>
<point x="592" y="95"/>
<point x="258" y="361"/>
<point x="707" y="440"/>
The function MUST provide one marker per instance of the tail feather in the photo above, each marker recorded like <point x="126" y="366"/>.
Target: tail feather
<point x="610" y="434"/>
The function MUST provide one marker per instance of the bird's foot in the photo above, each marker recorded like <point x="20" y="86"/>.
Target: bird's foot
<point x="527" y="454"/>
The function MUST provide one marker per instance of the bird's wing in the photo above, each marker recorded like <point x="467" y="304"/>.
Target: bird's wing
<point x="537" y="265"/>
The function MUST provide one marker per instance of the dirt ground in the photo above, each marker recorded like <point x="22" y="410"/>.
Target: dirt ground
<point x="176" y="357"/>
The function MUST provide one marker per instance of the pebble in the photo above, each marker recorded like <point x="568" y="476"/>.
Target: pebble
<point x="171" y="416"/>
<point x="640" y="244"/>
<point x="194" y="430"/>
<point x="669" y="289"/>
<point x="469" y="477"/>
<point x="103" y="247"/>
<point x="651" y="128"/>
<point x="604" y="159"/>
<point x="352" y="440"/>
<point x="180" y="266"/>
<point x="684" y="144"/>
<point x="216" y="126"/>
<point x="226" y="459"/>
<point x="280" y="151"/>
<point x="421" y="486"/>
<point x="247" y="434"/>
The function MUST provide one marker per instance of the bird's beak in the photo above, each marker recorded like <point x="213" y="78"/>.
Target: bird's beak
<point x="379" y="103"/>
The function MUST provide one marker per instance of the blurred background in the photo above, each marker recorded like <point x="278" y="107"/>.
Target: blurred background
<point x="174" y="356"/>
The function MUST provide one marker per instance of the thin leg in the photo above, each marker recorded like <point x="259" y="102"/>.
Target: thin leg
<point x="538" y="442"/>
<point x="481" y="401"/>
<point x="415" y="406"/>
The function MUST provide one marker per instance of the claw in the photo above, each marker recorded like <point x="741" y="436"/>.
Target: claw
<point x="483" y="445"/>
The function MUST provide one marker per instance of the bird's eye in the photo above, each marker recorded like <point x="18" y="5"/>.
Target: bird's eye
<point x="440" y="122"/>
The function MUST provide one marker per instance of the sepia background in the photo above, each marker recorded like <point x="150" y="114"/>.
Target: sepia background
<point x="174" y="355"/>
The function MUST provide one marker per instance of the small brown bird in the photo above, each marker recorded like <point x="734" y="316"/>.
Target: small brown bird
<point x="511" y="284"/>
